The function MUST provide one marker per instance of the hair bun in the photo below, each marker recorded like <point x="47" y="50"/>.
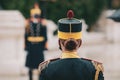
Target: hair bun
<point x="70" y="44"/>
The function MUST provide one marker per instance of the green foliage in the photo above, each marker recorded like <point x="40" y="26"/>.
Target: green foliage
<point x="23" y="5"/>
<point x="85" y="9"/>
<point x="113" y="4"/>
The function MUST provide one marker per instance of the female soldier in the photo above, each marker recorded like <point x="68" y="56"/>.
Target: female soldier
<point x="35" y="40"/>
<point x="70" y="66"/>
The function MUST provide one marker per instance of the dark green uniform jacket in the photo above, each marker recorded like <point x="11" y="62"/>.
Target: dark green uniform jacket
<point x="35" y="49"/>
<point x="70" y="69"/>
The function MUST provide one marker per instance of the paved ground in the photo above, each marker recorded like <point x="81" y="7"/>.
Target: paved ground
<point x="14" y="78"/>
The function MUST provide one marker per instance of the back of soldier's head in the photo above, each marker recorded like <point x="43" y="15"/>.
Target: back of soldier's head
<point x="69" y="32"/>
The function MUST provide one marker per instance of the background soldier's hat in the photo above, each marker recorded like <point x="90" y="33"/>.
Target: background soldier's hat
<point x="35" y="13"/>
<point x="69" y="27"/>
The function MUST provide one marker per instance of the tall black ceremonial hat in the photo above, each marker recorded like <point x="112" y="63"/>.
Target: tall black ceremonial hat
<point x="69" y="27"/>
<point x="36" y="10"/>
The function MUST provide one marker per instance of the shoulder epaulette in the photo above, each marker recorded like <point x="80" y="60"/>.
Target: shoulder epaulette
<point x="98" y="66"/>
<point x="95" y="63"/>
<point x="44" y="64"/>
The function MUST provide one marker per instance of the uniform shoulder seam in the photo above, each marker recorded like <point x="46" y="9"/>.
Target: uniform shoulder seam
<point x="91" y="60"/>
<point x="98" y="65"/>
<point x="44" y="64"/>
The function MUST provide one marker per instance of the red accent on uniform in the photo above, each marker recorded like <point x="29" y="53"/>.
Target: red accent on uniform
<point x="70" y="14"/>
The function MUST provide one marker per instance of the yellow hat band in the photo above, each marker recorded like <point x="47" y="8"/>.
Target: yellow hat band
<point x="64" y="35"/>
<point x="35" y="11"/>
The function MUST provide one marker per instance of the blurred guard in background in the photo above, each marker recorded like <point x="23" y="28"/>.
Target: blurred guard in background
<point x="70" y="66"/>
<point x="35" y="39"/>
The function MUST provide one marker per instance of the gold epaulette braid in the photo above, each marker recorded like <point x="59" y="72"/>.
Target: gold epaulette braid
<point x="44" y="64"/>
<point x="98" y="67"/>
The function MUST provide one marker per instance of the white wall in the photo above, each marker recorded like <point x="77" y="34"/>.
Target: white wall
<point x="11" y="42"/>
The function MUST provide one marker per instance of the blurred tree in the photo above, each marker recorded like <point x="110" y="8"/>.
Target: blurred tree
<point x="23" y="5"/>
<point x="115" y="4"/>
<point x="86" y="9"/>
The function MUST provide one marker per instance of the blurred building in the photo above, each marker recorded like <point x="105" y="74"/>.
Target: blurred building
<point x="11" y="42"/>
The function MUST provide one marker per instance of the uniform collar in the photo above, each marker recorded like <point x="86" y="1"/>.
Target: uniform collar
<point x="69" y="55"/>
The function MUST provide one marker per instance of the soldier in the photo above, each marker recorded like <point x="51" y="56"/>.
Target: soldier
<point x="70" y="66"/>
<point x="35" y="40"/>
